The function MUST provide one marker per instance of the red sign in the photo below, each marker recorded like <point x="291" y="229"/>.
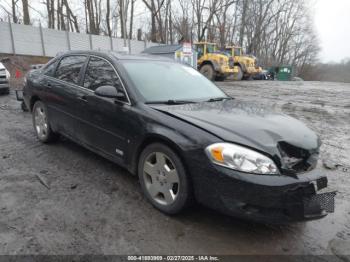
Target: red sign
<point x="187" y="48"/>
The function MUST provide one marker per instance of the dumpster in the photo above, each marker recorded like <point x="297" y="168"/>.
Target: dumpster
<point x="281" y="73"/>
<point x="284" y="73"/>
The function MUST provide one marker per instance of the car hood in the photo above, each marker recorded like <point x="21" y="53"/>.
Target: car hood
<point x="293" y="145"/>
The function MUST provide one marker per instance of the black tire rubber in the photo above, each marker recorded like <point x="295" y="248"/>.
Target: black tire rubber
<point x="185" y="197"/>
<point x="6" y="92"/>
<point x="220" y="78"/>
<point x="248" y="77"/>
<point x="208" y="71"/>
<point x="238" y="76"/>
<point x="51" y="136"/>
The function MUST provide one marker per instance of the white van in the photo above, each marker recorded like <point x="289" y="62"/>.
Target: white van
<point x="4" y="80"/>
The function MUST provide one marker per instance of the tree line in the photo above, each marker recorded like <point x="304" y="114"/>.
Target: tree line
<point x="333" y="72"/>
<point x="275" y="31"/>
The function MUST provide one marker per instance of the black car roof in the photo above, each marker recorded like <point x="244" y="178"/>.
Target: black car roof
<point x="118" y="56"/>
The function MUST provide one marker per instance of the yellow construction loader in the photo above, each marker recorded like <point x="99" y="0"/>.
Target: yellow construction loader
<point x="247" y="66"/>
<point x="213" y="64"/>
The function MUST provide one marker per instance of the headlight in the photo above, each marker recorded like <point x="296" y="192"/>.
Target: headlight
<point x="7" y="75"/>
<point x="222" y="61"/>
<point x="240" y="158"/>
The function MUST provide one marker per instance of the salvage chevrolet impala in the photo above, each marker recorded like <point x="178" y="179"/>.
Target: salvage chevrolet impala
<point x="185" y="139"/>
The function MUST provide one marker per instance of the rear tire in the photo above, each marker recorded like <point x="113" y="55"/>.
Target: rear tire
<point x="41" y="123"/>
<point x="220" y="78"/>
<point x="208" y="71"/>
<point x="163" y="179"/>
<point x="248" y="77"/>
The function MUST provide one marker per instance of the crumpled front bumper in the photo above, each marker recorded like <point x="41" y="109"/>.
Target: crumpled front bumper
<point x="297" y="204"/>
<point x="267" y="199"/>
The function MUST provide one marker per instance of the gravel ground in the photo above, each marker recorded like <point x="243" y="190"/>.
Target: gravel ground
<point x="63" y="199"/>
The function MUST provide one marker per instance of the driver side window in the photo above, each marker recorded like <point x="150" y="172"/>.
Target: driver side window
<point x="100" y="73"/>
<point x="200" y="51"/>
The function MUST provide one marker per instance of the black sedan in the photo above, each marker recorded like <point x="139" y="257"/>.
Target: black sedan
<point x="185" y="138"/>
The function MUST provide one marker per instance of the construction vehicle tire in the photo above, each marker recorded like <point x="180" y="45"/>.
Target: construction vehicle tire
<point x="238" y="76"/>
<point x="208" y="71"/>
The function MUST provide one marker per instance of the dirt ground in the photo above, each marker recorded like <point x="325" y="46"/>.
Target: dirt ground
<point x="63" y="199"/>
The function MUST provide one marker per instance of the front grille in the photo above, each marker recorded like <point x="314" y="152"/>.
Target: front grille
<point x="3" y="79"/>
<point x="319" y="202"/>
<point x="321" y="183"/>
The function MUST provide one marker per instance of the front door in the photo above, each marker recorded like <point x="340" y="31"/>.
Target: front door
<point x="107" y="120"/>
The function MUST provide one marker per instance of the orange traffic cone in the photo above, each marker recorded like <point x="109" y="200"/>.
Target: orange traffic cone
<point x="18" y="74"/>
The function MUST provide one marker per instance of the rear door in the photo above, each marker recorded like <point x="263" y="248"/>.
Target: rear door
<point x="64" y="93"/>
<point x="107" y="121"/>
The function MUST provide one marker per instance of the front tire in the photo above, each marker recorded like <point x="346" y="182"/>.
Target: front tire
<point x="208" y="71"/>
<point x="163" y="179"/>
<point x="41" y="123"/>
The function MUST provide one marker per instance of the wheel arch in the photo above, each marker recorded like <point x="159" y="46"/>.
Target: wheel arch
<point x="152" y="139"/>
<point x="32" y="101"/>
<point x="158" y="138"/>
<point x="242" y="66"/>
<point x="212" y="63"/>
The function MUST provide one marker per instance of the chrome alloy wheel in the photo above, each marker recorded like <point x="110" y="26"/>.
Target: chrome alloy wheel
<point x="161" y="179"/>
<point x="40" y="122"/>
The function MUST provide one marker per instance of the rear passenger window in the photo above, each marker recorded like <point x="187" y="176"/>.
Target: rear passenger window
<point x="69" y="68"/>
<point x="100" y="73"/>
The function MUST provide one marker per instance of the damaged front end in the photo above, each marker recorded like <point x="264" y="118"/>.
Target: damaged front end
<point x="299" y="193"/>
<point x="275" y="199"/>
<point x="310" y="201"/>
<point x="296" y="160"/>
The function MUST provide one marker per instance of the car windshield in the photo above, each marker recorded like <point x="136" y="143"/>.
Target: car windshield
<point x="237" y="51"/>
<point x="159" y="81"/>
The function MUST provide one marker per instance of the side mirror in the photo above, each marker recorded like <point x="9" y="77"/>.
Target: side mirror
<point x="121" y="96"/>
<point x="106" y="91"/>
